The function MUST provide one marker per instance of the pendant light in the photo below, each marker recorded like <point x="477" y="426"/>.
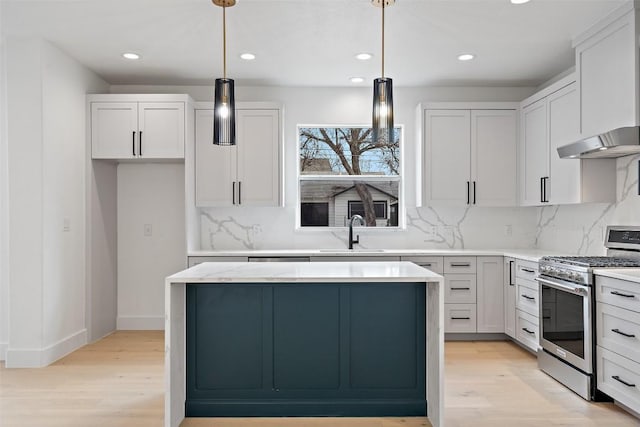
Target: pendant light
<point x="224" y="105"/>
<point x="382" y="121"/>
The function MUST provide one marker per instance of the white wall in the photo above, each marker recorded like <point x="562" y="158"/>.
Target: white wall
<point x="47" y="167"/>
<point x="4" y="195"/>
<point x="149" y="194"/>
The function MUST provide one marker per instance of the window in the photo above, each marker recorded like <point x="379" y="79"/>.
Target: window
<point x="342" y="172"/>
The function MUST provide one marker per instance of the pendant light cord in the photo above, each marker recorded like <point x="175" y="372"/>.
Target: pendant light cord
<point x="383" y="2"/>
<point x="224" y="42"/>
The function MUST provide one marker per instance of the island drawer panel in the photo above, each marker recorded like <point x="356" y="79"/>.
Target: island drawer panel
<point x="320" y="349"/>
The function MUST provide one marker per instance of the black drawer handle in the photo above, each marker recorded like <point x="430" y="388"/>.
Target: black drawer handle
<point x="546" y="317"/>
<point x="528" y="297"/>
<point x="460" y="289"/>
<point x="618" y="331"/>
<point x="425" y="264"/>
<point x="528" y="270"/>
<point x="133" y="143"/>
<point x="620" y="294"/>
<point x="460" y="264"/>
<point x="617" y="378"/>
<point x="528" y="331"/>
<point x="460" y="318"/>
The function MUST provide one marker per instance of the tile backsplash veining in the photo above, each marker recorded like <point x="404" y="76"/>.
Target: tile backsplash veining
<point x="580" y="229"/>
<point x="575" y="229"/>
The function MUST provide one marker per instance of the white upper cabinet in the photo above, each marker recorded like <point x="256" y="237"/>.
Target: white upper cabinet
<point x="469" y="156"/>
<point x="247" y="174"/>
<point x="607" y="73"/>
<point x="549" y="120"/>
<point x="123" y="128"/>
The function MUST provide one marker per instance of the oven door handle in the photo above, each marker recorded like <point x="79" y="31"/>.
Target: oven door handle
<point x="577" y="289"/>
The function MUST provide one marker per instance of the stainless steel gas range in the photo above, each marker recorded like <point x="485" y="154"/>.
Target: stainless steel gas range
<point x="567" y="324"/>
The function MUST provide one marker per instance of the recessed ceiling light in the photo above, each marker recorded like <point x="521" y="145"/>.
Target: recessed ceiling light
<point x="131" y="55"/>
<point x="519" y="1"/>
<point x="248" y="56"/>
<point x="364" y="56"/>
<point x="466" y="57"/>
<point x="356" y="79"/>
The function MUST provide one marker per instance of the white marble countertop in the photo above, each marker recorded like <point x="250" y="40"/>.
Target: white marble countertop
<point x="526" y="254"/>
<point x="242" y="272"/>
<point x="629" y="274"/>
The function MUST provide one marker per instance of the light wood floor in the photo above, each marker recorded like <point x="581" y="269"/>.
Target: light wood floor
<point x="118" y="382"/>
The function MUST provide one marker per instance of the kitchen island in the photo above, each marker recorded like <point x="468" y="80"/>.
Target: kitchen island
<point x="300" y="339"/>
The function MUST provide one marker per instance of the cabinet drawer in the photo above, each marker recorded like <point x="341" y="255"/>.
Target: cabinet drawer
<point x="613" y="372"/>
<point x="618" y="330"/>
<point x="460" y="264"/>
<point x="527" y="297"/>
<point x="527" y="330"/>
<point x="620" y="293"/>
<point x="460" y="288"/>
<point x="459" y="317"/>
<point x="433" y="263"/>
<point x="526" y="269"/>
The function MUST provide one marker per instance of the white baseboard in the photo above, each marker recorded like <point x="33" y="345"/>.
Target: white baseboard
<point x="3" y="351"/>
<point x="140" y="323"/>
<point x="40" y="357"/>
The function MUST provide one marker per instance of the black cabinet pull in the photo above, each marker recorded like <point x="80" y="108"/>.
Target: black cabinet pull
<point x="460" y="289"/>
<point x="468" y="194"/>
<point x="528" y="297"/>
<point x="460" y="264"/>
<point x="140" y="143"/>
<point x="617" y="378"/>
<point x="233" y="193"/>
<point x="511" y="273"/>
<point x="425" y="264"/>
<point x="528" y="331"/>
<point x="618" y="331"/>
<point x="528" y="270"/>
<point x="620" y="294"/>
<point x="474" y="192"/>
<point x="460" y="318"/>
<point x="133" y="143"/>
<point x="541" y="190"/>
<point x="239" y="192"/>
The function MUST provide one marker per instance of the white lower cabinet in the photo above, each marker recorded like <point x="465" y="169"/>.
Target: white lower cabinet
<point x="618" y="340"/>
<point x="460" y="289"/>
<point x="527" y="330"/>
<point x="490" y="296"/>
<point x="460" y="318"/>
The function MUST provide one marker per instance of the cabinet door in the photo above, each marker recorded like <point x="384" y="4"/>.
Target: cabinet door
<point x="489" y="281"/>
<point x="161" y="126"/>
<point x="114" y="127"/>
<point x="564" y="128"/>
<point x="447" y="161"/>
<point x="258" y="157"/>
<point x="607" y="65"/>
<point x="215" y="165"/>
<point x="534" y="158"/>
<point x="493" y="157"/>
<point x="509" y="297"/>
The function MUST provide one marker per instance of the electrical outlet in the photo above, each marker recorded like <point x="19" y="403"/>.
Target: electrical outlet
<point x="508" y="230"/>
<point x="148" y="230"/>
<point x="66" y="224"/>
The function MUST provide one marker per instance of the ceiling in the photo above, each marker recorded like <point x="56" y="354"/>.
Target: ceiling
<point x="312" y="42"/>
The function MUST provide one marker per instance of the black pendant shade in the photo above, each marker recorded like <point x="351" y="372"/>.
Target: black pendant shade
<point x="224" y="113"/>
<point x="382" y="121"/>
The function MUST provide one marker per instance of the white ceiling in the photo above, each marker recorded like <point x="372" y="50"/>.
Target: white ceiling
<point x="312" y="42"/>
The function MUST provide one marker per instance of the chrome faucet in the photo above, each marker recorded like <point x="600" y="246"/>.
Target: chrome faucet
<point x="357" y="239"/>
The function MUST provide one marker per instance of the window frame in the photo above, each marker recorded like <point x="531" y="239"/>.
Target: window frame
<point x="370" y="179"/>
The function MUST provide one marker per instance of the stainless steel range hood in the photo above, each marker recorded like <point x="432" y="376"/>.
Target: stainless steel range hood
<point x="617" y="143"/>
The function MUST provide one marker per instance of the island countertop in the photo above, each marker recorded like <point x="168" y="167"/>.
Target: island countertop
<point x="274" y="274"/>
<point x="400" y="271"/>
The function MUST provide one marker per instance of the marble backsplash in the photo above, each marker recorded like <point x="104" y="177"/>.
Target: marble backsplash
<point x="575" y="229"/>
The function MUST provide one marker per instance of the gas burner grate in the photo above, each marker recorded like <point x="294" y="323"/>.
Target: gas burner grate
<point x="594" y="261"/>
